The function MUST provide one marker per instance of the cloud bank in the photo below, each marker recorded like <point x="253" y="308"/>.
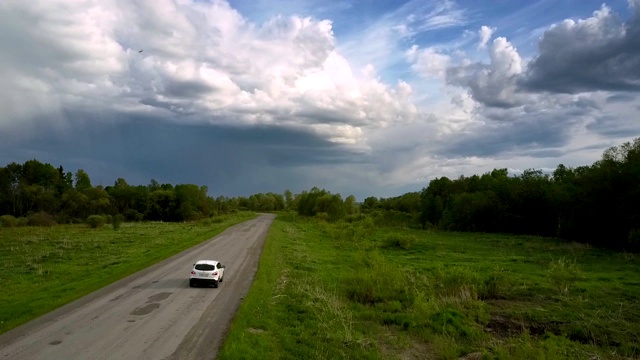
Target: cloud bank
<point x="199" y="92"/>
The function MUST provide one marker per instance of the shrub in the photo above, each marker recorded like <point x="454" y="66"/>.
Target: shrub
<point x="40" y="219"/>
<point x="288" y="216"/>
<point x="563" y="274"/>
<point x="8" y="221"/>
<point x="322" y="216"/>
<point x="633" y="239"/>
<point x="495" y="285"/>
<point x="116" y="221"/>
<point x="23" y="221"/>
<point x="404" y="242"/>
<point x="377" y="281"/>
<point x="456" y="283"/>
<point x="132" y="215"/>
<point x="95" y="221"/>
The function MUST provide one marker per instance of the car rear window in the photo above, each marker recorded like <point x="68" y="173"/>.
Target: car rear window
<point x="205" y="267"/>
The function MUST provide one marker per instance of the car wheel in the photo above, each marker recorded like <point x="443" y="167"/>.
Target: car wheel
<point x="192" y="283"/>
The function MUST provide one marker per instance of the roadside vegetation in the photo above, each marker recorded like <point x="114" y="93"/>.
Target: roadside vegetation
<point x="45" y="267"/>
<point x="364" y="290"/>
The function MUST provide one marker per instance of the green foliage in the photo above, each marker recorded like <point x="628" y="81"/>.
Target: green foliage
<point x="394" y="219"/>
<point x="496" y="284"/>
<point x="8" y="221"/>
<point x="594" y="204"/>
<point x="95" y="221"/>
<point x="375" y="281"/>
<point x="331" y="206"/>
<point x="40" y="219"/>
<point x="117" y="221"/>
<point x="288" y="215"/>
<point x="563" y="274"/>
<point x="82" y="180"/>
<point x="400" y="241"/>
<point x="456" y="284"/>
<point x="132" y="215"/>
<point x="633" y="239"/>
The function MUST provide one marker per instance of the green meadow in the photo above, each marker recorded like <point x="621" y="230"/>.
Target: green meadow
<point x="43" y="268"/>
<point x="358" y="291"/>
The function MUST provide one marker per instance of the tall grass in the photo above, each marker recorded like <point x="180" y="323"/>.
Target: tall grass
<point x="352" y="290"/>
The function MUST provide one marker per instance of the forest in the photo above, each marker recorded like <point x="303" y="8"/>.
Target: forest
<point x="595" y="204"/>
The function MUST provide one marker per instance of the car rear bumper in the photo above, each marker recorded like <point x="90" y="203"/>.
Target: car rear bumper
<point x="204" y="281"/>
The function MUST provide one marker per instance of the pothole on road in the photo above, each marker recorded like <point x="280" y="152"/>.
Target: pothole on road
<point x="145" y="309"/>
<point x="159" y="296"/>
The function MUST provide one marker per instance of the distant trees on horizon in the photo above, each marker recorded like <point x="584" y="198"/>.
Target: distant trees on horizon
<point x="596" y="204"/>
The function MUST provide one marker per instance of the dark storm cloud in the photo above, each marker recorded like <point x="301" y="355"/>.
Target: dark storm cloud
<point x="500" y="138"/>
<point x="620" y="98"/>
<point x="612" y="126"/>
<point x="229" y="160"/>
<point x="186" y="89"/>
<point x="599" y="53"/>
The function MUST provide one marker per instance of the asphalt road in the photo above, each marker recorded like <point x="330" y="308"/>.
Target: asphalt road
<point x="152" y="314"/>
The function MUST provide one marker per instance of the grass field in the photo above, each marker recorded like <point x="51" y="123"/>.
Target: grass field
<point x="42" y="268"/>
<point x="338" y="291"/>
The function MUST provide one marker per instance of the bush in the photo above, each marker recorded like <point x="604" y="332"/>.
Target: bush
<point x="633" y="239"/>
<point x="132" y="215"/>
<point x="40" y="219"/>
<point x="563" y="274"/>
<point x="23" y="221"/>
<point x="116" y="221"/>
<point x="377" y="281"/>
<point x="495" y="285"/>
<point x="95" y="221"/>
<point x="8" y="221"/>
<point x="456" y="283"/>
<point x="322" y="216"/>
<point x="404" y="242"/>
<point x="288" y="216"/>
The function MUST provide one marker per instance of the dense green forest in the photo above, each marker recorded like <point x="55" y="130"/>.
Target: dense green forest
<point x="596" y="204"/>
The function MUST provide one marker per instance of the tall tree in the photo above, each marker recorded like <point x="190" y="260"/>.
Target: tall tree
<point x="83" y="182"/>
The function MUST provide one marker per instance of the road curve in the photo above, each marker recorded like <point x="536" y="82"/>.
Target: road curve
<point x="152" y="314"/>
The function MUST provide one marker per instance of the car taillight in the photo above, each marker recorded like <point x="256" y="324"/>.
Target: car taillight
<point x="193" y="272"/>
<point x="215" y="273"/>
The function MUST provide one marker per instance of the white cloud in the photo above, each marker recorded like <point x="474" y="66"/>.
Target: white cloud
<point x="199" y="62"/>
<point x="428" y="62"/>
<point x="485" y="34"/>
<point x="492" y="84"/>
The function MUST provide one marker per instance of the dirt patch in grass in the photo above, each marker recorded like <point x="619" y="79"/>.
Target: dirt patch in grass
<point x="504" y="327"/>
<point x="394" y="346"/>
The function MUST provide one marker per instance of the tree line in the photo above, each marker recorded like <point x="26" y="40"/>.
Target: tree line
<point x="40" y="193"/>
<point x="596" y="204"/>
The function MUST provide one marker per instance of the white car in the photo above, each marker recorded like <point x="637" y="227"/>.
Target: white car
<point x="209" y="272"/>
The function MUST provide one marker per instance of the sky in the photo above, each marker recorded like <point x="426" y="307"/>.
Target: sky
<point x="360" y="97"/>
